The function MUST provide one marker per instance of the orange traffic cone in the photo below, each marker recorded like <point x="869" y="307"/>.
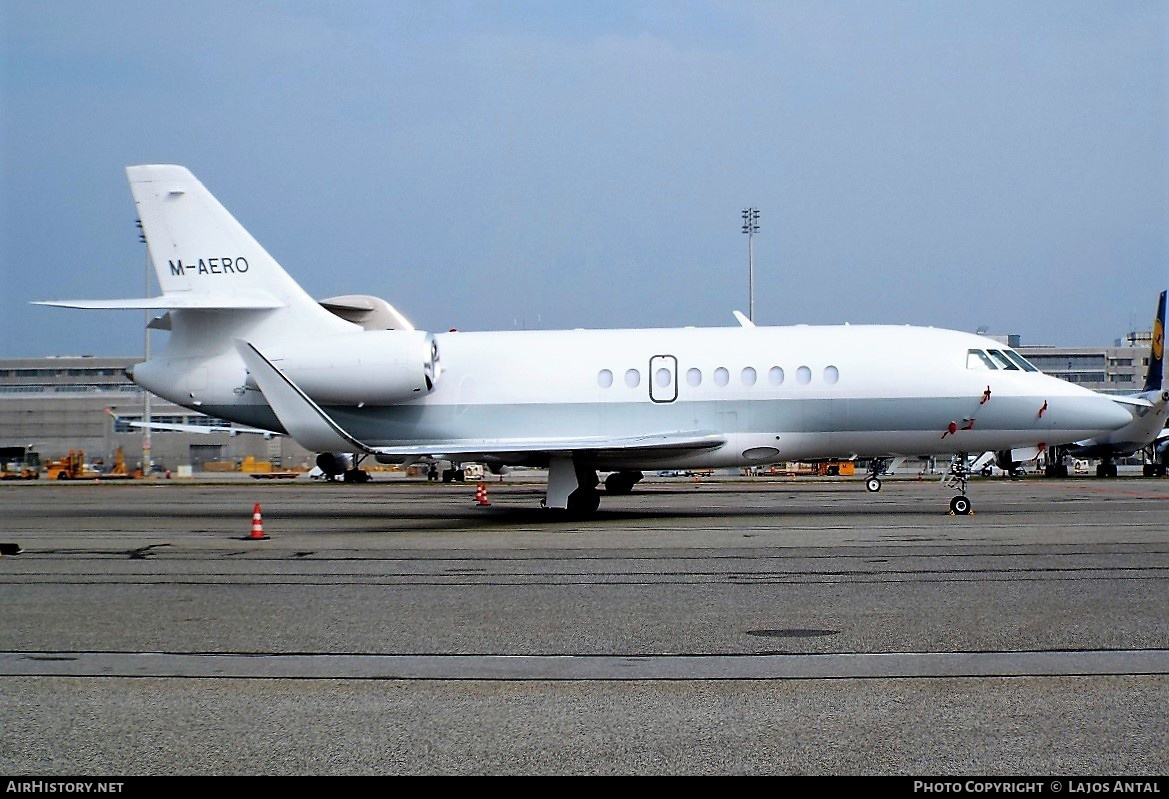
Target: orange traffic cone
<point x="481" y="494"/>
<point x="257" y="525"/>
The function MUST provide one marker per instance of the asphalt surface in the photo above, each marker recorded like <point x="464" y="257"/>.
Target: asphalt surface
<point x="773" y="626"/>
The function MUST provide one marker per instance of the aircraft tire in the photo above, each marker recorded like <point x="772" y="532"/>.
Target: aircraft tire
<point x="618" y="483"/>
<point x="872" y="485"/>
<point x="583" y="502"/>
<point x="960" y="506"/>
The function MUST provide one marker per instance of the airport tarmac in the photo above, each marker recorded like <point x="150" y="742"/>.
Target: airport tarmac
<point x="726" y="626"/>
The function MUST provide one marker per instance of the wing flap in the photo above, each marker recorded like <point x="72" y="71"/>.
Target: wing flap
<point x="657" y="445"/>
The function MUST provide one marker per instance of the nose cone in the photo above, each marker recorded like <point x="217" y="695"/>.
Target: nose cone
<point x="1089" y="415"/>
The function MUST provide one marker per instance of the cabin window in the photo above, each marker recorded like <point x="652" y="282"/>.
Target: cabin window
<point x="694" y="377"/>
<point x="831" y="375"/>
<point x="977" y="359"/>
<point x="803" y="375"/>
<point x="721" y="376"/>
<point x="775" y="376"/>
<point x="663" y="377"/>
<point x="748" y="376"/>
<point x="1002" y="360"/>
<point x="1026" y="365"/>
<point x="632" y="378"/>
<point x="604" y="378"/>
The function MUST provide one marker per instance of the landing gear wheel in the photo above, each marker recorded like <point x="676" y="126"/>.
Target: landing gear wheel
<point x="960" y="506"/>
<point x="618" y="483"/>
<point x="621" y="482"/>
<point x="584" y="502"/>
<point x="872" y="485"/>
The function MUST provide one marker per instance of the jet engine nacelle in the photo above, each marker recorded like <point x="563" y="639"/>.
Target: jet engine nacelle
<point x="1005" y="460"/>
<point x="334" y="464"/>
<point x="374" y="367"/>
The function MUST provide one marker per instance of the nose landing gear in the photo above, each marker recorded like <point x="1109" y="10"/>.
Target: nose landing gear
<point x="958" y="477"/>
<point x="877" y="467"/>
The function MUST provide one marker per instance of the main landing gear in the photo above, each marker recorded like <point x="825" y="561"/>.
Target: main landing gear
<point x="622" y="482"/>
<point x="572" y="486"/>
<point x="958" y="477"/>
<point x="1106" y="468"/>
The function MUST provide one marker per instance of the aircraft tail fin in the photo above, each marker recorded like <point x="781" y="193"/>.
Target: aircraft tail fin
<point x="202" y="256"/>
<point x="1154" y="376"/>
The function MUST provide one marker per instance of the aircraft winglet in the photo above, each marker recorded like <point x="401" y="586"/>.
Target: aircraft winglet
<point x="304" y="420"/>
<point x="743" y="320"/>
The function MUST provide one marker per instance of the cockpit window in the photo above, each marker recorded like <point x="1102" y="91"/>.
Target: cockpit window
<point x="1003" y="361"/>
<point x="1023" y="362"/>
<point x="977" y="359"/>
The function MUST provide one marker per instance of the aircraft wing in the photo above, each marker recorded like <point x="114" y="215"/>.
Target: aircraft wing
<point x="1138" y="400"/>
<point x="313" y="428"/>
<point x="194" y="428"/>
<point x="658" y="445"/>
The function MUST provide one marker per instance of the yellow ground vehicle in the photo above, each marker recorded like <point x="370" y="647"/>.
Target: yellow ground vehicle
<point x="70" y="467"/>
<point x="74" y="467"/>
<point x="19" y="463"/>
<point x="834" y="468"/>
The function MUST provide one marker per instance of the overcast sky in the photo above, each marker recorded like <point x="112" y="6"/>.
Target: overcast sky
<point x="502" y="165"/>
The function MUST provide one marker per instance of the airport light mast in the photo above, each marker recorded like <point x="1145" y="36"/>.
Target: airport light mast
<point x="751" y="227"/>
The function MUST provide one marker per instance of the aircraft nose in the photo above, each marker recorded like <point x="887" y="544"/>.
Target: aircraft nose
<point x="1097" y="413"/>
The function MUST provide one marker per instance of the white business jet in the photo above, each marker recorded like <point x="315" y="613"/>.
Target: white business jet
<point x="351" y="375"/>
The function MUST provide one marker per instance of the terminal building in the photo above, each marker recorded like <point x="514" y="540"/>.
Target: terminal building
<point x="60" y="404"/>
<point x="1119" y="369"/>
<point x="55" y="405"/>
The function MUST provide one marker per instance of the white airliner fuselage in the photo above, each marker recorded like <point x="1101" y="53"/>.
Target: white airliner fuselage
<point x="247" y="344"/>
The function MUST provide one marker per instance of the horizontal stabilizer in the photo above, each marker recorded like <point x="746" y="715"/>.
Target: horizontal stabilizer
<point x="174" y="302"/>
